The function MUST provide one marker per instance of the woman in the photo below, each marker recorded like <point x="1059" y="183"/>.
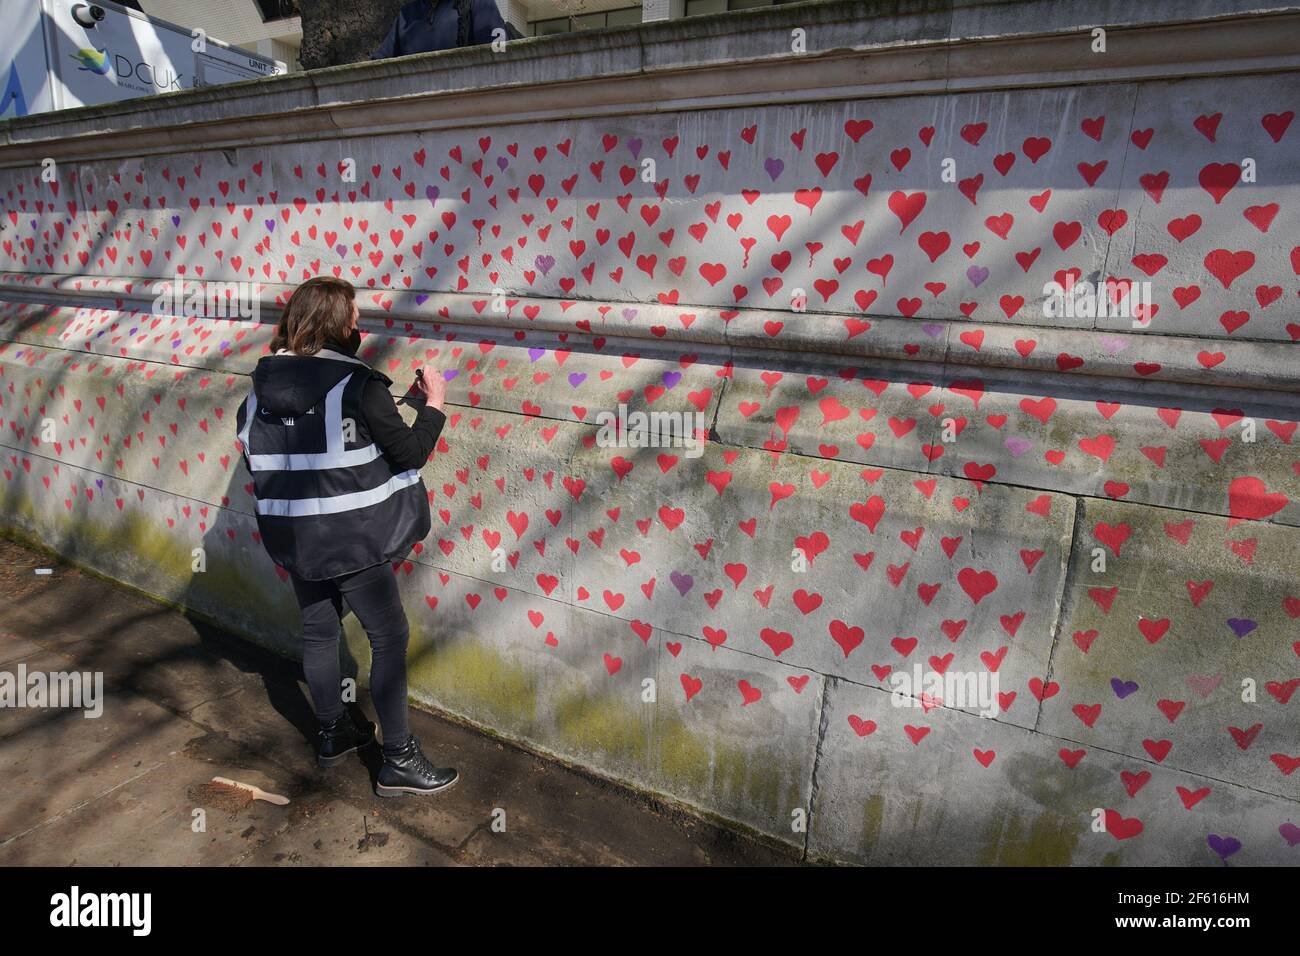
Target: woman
<point x="336" y="478"/>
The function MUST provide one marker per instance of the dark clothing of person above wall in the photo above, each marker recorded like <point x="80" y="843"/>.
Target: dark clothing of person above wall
<point x="428" y="25"/>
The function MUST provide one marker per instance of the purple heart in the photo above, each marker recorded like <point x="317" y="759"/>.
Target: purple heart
<point x="449" y="374"/>
<point x="774" y="167"/>
<point x="1122" y="688"/>
<point x="672" y="378"/>
<point x="1241" y="626"/>
<point x="270" y="225"/>
<point x="1018" y="446"/>
<point x="176" y="220"/>
<point x="629" y="314"/>
<point x="577" y="378"/>
<point x="341" y="249"/>
<point x="535" y="354"/>
<point x="431" y="193"/>
<point x="1224" y="846"/>
<point x="932" y="329"/>
<point x="977" y="275"/>
<point x="99" y="482"/>
<point x="545" y="263"/>
<point x="634" y="147"/>
<point x="421" y="299"/>
<point x="502" y="163"/>
<point x="682" y="582"/>
<point x="1290" y="832"/>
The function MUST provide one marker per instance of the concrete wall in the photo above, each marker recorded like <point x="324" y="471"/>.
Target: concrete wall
<point x="1108" y="526"/>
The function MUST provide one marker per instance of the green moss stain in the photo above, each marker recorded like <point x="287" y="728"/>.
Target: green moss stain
<point x="681" y="757"/>
<point x="465" y="673"/>
<point x="1050" y="840"/>
<point x="602" y="724"/>
<point x="15" y="505"/>
<point x="873" y="820"/>
<point x="755" y="779"/>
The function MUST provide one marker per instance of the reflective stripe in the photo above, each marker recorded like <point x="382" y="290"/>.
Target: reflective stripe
<point x="303" y="507"/>
<point x="314" y="462"/>
<point x="250" y="409"/>
<point x="334" y="416"/>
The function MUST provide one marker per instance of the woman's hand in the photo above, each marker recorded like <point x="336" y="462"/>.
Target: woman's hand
<point x="434" y="387"/>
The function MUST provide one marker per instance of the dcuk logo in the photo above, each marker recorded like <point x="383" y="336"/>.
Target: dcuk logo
<point x="163" y="79"/>
<point x="98" y="61"/>
<point x="95" y="61"/>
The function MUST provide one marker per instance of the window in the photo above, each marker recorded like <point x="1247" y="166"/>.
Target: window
<point x="277" y="9"/>
<point x="543" y="28"/>
<point x="623" y="16"/>
<point x="695" y="8"/>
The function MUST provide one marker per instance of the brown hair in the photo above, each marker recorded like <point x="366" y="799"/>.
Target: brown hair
<point x="318" y="313"/>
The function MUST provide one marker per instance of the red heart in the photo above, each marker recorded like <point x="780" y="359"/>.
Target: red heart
<point x="1250" y="500"/>
<point x="861" y="727"/>
<point x="1120" y="828"/>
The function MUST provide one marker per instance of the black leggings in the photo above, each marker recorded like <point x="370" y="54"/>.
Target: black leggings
<point x="372" y="595"/>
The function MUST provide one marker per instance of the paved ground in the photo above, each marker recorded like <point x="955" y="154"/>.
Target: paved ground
<point x="186" y="702"/>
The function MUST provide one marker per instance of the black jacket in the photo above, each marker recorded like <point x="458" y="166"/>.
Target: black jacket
<point x="336" y="472"/>
<point x="428" y="25"/>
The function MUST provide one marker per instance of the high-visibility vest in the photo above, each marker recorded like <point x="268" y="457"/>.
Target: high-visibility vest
<point x="327" y="500"/>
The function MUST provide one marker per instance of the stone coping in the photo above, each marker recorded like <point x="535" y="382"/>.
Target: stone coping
<point x="1069" y="353"/>
<point x="855" y="48"/>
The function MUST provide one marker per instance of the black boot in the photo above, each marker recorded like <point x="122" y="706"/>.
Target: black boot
<point x="409" y="771"/>
<point x="341" y="737"/>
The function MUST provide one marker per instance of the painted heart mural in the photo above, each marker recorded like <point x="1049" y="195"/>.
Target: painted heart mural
<point x="907" y="467"/>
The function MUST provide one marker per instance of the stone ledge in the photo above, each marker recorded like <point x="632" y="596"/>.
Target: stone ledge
<point x="702" y="62"/>
<point x="1245" y="364"/>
